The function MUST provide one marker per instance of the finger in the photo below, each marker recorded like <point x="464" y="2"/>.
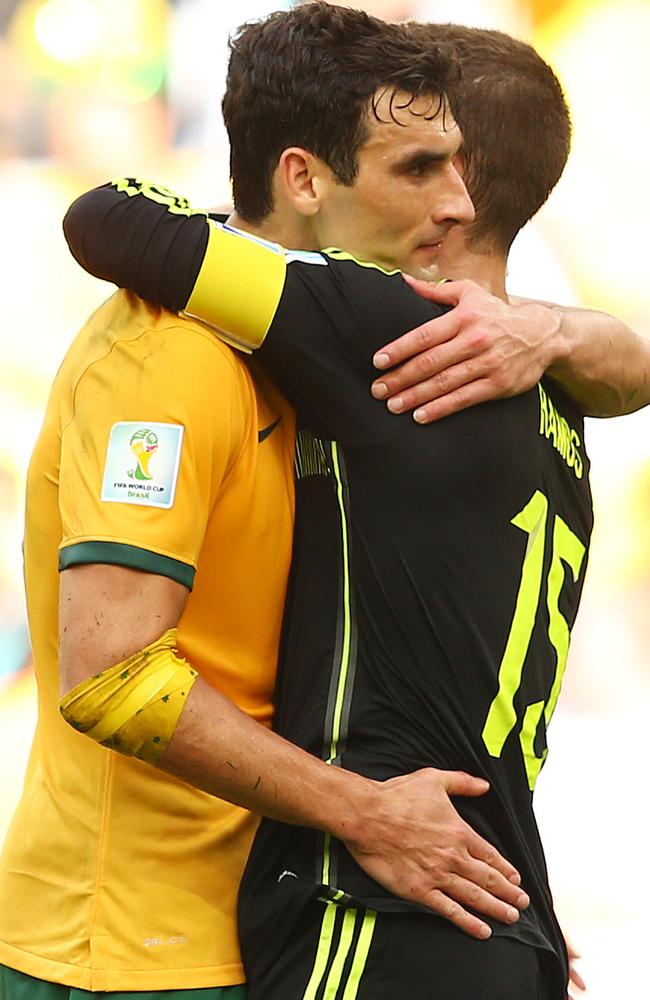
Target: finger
<point x="419" y="285"/>
<point x="461" y="783"/>
<point x="570" y="949"/>
<point x="576" y="978"/>
<point x="435" y="360"/>
<point x="459" y="399"/>
<point x="448" y="380"/>
<point x="494" y="882"/>
<point x="483" y="851"/>
<point x="449" y="293"/>
<point x="433" y="332"/>
<point x="453" y="912"/>
<point x="445" y="291"/>
<point x="467" y="893"/>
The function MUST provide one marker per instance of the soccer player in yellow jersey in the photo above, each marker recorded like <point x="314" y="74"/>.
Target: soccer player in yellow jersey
<point x="160" y="476"/>
<point x="156" y="556"/>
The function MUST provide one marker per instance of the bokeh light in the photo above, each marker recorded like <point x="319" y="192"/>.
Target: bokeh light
<point x="69" y="31"/>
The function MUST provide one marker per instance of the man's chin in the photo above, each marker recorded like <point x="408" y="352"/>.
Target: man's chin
<point x="425" y="272"/>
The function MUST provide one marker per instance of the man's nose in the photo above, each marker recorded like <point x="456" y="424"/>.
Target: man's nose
<point x="456" y="206"/>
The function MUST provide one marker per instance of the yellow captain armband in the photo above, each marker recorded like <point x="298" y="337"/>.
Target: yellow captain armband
<point x="134" y="707"/>
<point x="239" y="286"/>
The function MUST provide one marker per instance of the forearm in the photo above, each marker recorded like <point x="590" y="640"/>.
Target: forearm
<point x="218" y="748"/>
<point x="600" y="362"/>
<point x="112" y="686"/>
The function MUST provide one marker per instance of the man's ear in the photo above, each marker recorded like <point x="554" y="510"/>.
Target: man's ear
<point x="304" y="178"/>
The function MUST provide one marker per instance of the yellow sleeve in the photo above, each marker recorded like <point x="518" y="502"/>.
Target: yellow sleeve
<point x="239" y="286"/>
<point x="157" y="420"/>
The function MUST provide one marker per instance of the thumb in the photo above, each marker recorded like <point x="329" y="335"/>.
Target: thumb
<point x="460" y="783"/>
<point x="425" y="289"/>
<point x="445" y="292"/>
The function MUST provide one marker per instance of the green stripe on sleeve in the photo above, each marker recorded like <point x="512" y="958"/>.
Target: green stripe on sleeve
<point x="118" y="554"/>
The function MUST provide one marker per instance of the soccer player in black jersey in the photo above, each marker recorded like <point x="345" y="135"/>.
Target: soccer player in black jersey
<point x="437" y="570"/>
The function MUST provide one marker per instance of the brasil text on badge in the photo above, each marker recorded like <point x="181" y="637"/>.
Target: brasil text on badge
<point x="142" y="462"/>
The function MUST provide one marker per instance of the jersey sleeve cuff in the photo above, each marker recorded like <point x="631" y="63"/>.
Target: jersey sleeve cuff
<point x="130" y="556"/>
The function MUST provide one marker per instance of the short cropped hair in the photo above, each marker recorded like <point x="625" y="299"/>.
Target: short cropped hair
<point x="307" y="77"/>
<point x="516" y="128"/>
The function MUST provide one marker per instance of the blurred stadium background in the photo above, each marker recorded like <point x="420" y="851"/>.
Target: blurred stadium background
<point x="91" y="89"/>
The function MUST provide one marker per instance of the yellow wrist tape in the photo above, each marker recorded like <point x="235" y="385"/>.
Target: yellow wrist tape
<point x="239" y="286"/>
<point x="134" y="707"/>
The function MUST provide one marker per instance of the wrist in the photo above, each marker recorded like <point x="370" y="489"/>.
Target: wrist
<point x="350" y="802"/>
<point x="559" y="342"/>
<point x="556" y="335"/>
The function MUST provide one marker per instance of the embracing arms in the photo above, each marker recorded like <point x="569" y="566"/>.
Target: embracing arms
<point x="487" y="349"/>
<point x="482" y="349"/>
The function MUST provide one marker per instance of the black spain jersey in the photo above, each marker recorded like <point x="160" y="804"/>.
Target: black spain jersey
<point x="436" y="576"/>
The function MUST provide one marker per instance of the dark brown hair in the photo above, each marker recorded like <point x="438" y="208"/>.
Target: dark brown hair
<point x="308" y="78"/>
<point x="515" y="123"/>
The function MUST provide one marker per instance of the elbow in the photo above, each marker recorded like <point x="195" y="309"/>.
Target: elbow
<point x="73" y="228"/>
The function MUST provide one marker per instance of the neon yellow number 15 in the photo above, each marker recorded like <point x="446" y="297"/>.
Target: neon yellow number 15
<point x="567" y="548"/>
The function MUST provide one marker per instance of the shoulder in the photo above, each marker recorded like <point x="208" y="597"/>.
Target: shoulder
<point x="333" y="261"/>
<point x="134" y="360"/>
<point x="362" y="290"/>
<point x="140" y="345"/>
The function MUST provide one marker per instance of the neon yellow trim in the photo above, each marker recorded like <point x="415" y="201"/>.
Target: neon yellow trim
<point x="327" y="856"/>
<point x="177" y="204"/>
<point x="337" y="254"/>
<point x="345" y="650"/>
<point x="134" y="707"/>
<point x="360" y="955"/>
<point x="239" y="287"/>
<point x="345" y="943"/>
<point x="322" y="952"/>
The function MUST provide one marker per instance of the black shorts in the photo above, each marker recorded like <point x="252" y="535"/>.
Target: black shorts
<point x="336" y="953"/>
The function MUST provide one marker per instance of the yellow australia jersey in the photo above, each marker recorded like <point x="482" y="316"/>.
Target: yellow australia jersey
<point x="159" y="452"/>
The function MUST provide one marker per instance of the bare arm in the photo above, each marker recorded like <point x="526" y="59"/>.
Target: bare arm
<point x="601" y="362"/>
<point x="487" y="349"/>
<point x="405" y="832"/>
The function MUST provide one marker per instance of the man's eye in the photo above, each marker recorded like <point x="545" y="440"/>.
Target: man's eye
<point x="421" y="170"/>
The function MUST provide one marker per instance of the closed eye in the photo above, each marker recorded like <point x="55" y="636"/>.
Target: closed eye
<point x="420" y="164"/>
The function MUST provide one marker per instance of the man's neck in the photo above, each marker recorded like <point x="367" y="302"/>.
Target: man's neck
<point x="482" y="263"/>
<point x="290" y="232"/>
<point x="487" y="271"/>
